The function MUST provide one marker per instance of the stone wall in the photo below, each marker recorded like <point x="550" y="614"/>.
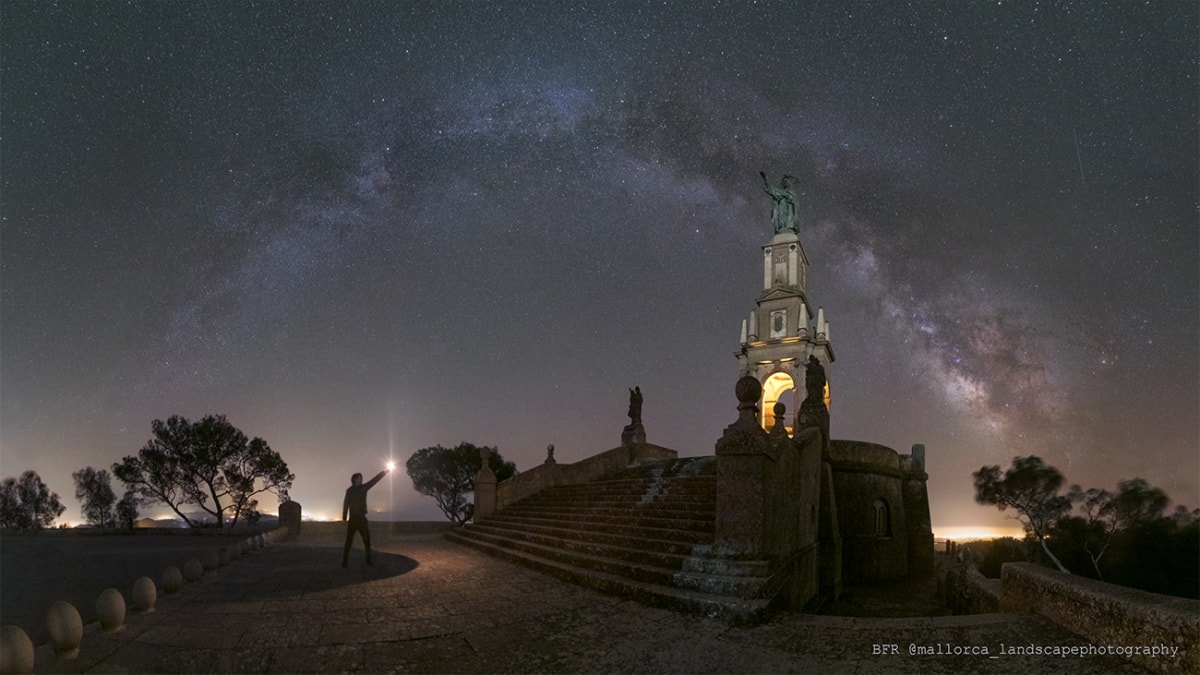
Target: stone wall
<point x="963" y="590"/>
<point x="1109" y="615"/>
<point x="866" y="475"/>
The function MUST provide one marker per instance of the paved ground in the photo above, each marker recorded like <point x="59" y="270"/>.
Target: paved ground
<point x="429" y="605"/>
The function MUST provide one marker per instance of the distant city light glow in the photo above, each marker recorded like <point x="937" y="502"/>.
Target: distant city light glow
<point x="976" y="532"/>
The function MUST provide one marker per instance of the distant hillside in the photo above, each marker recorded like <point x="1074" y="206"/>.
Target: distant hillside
<point x="203" y="520"/>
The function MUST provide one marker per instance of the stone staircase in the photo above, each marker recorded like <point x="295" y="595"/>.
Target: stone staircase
<point x="645" y="532"/>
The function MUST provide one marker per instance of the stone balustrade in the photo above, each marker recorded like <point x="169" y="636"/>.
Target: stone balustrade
<point x="491" y="497"/>
<point x="1158" y="632"/>
<point x="1109" y="615"/>
<point x="964" y="590"/>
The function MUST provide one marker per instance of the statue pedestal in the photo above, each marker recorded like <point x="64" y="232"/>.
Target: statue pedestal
<point x="633" y="433"/>
<point x="290" y="517"/>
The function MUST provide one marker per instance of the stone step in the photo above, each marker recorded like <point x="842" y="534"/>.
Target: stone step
<point x="666" y="552"/>
<point x="691" y="506"/>
<point x="647" y="473"/>
<point x="627" y="479"/>
<point x="734" y="610"/>
<point x="626" y="529"/>
<point x="677" y="564"/>
<point x="647" y="563"/>
<point x="602" y="520"/>
<point x="706" y="513"/>
<point x="645" y="532"/>
<point x="645" y="493"/>
<point x="643" y="489"/>
<point x="685" y="467"/>
<point x="636" y="571"/>
<point x="723" y="585"/>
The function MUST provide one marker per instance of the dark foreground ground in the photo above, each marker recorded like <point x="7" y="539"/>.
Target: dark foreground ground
<point x="37" y="568"/>
<point x="428" y="605"/>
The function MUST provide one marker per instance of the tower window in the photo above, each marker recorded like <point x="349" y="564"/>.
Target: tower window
<point x="883" y="519"/>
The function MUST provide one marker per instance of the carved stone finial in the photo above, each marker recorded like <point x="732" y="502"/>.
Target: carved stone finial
<point x="745" y="434"/>
<point x="748" y="390"/>
<point x="550" y="454"/>
<point x="780" y="427"/>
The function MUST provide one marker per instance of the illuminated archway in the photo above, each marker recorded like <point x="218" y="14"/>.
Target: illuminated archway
<point x="774" y="389"/>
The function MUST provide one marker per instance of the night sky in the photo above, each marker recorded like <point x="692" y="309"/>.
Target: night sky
<point x="360" y="229"/>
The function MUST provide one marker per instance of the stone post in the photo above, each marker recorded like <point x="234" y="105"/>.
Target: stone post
<point x="829" y="535"/>
<point x="744" y="456"/>
<point x="916" y="511"/>
<point x="289" y="517"/>
<point x="485" y="488"/>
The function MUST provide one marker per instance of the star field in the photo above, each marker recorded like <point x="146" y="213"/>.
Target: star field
<point x="360" y="230"/>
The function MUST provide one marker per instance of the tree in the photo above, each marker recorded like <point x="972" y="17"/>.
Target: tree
<point x="448" y="475"/>
<point x="27" y="503"/>
<point x="127" y="509"/>
<point x="94" y="491"/>
<point x="1031" y="488"/>
<point x="209" y="460"/>
<point x="1106" y="514"/>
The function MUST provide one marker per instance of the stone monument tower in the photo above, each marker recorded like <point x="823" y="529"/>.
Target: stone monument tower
<point x="780" y="334"/>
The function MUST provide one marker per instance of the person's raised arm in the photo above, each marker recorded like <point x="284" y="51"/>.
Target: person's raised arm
<point x="379" y="476"/>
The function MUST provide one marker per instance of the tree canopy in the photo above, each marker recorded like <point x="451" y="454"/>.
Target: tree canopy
<point x="1031" y="488"/>
<point x="94" y="491"/>
<point x="27" y="503"/>
<point x="448" y="475"/>
<point x="1123" y="536"/>
<point x="127" y="509"/>
<point x="209" y="463"/>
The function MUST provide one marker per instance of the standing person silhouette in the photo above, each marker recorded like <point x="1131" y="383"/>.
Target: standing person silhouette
<point x="355" y="504"/>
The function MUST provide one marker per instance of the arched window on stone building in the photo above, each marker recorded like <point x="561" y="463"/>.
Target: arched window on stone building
<point x="883" y="519"/>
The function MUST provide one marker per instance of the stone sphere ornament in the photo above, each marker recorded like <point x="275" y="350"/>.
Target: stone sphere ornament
<point x="210" y="560"/>
<point x="65" y="627"/>
<point x="172" y="580"/>
<point x="748" y="389"/>
<point x="110" y="609"/>
<point x="223" y="557"/>
<point x="193" y="570"/>
<point x="16" y="651"/>
<point x="145" y="594"/>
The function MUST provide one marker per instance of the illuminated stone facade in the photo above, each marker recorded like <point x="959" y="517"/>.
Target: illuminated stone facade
<point x="782" y="332"/>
